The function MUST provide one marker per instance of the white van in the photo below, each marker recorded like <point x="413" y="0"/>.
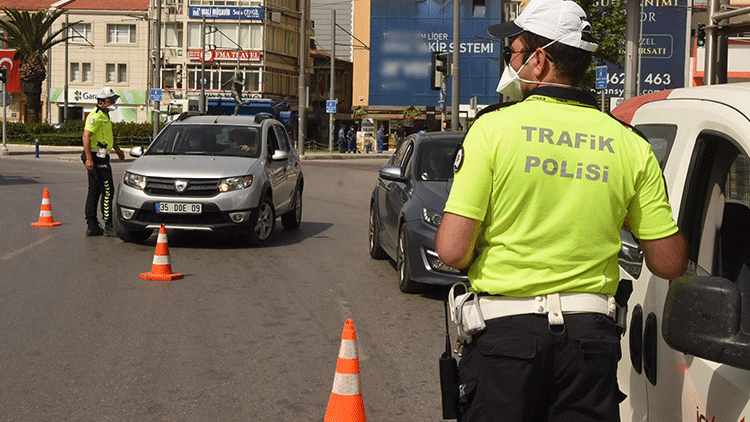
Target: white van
<point x="686" y="350"/>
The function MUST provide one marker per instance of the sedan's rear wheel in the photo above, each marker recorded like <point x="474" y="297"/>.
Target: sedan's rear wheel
<point x="376" y="251"/>
<point x="405" y="283"/>
<point x="265" y="219"/>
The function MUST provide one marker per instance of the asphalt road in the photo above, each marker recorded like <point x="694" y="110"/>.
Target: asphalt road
<point x="248" y="334"/>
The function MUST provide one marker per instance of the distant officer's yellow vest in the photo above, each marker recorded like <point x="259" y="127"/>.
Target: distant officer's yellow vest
<point x="98" y="123"/>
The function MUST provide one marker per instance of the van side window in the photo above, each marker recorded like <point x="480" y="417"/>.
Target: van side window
<point x="716" y="207"/>
<point x="735" y="225"/>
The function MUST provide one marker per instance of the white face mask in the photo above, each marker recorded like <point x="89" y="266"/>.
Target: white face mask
<point x="510" y="81"/>
<point x="112" y="107"/>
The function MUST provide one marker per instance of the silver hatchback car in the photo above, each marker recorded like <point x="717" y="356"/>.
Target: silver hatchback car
<point x="212" y="173"/>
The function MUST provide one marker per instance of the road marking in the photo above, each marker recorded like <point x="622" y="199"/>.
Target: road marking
<point x="22" y="250"/>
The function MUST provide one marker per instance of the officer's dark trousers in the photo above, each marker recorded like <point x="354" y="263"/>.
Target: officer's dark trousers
<point x="101" y="186"/>
<point x="521" y="369"/>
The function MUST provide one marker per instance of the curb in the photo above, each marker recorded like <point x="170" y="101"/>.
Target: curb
<point x="73" y="154"/>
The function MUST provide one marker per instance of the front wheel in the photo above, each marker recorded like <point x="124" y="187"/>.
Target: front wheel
<point x="405" y="283"/>
<point x="265" y="219"/>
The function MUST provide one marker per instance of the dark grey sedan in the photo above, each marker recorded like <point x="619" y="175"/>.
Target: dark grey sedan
<point x="407" y="206"/>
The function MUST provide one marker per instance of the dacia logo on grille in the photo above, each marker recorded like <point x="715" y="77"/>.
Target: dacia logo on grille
<point x="180" y="185"/>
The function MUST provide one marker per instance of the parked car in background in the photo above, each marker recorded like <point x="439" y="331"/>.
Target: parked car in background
<point x="407" y="206"/>
<point x="212" y="173"/>
<point x="687" y="350"/>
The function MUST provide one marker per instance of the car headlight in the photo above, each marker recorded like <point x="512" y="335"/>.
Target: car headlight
<point x="432" y="217"/>
<point x="134" y="180"/>
<point x="235" y="183"/>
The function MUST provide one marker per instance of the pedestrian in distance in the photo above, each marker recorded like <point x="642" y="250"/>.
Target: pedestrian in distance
<point x="342" y="139"/>
<point x="98" y="137"/>
<point x="382" y="138"/>
<point x="351" y="138"/>
<point x="540" y="193"/>
<point x="400" y="134"/>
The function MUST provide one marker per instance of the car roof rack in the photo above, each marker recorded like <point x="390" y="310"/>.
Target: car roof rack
<point x="185" y="114"/>
<point x="262" y="116"/>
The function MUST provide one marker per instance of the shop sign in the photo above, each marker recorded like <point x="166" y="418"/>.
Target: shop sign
<point x="252" y="14"/>
<point x="211" y="55"/>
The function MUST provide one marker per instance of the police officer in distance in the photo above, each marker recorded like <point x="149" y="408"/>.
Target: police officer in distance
<point x="98" y="140"/>
<point x="537" y="220"/>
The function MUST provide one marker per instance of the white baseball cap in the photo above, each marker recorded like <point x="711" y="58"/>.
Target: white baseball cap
<point x="105" y="93"/>
<point x="559" y="20"/>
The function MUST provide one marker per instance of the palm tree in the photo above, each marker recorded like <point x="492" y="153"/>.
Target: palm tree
<point x="29" y="35"/>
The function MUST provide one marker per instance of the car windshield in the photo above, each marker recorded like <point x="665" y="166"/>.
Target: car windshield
<point x="435" y="162"/>
<point x="239" y="141"/>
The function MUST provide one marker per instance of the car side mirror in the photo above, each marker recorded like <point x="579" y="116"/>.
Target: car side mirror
<point x="702" y="318"/>
<point x="630" y="256"/>
<point x="392" y="173"/>
<point x="136" y="151"/>
<point x="280" y="155"/>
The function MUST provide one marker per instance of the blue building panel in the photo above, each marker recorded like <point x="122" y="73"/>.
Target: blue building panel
<point x="403" y="35"/>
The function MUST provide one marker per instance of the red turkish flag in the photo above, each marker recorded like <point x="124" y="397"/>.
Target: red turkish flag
<point x="14" y="78"/>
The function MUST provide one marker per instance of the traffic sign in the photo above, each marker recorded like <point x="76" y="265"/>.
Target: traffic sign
<point x="601" y="77"/>
<point x="331" y="106"/>
<point x="155" y="94"/>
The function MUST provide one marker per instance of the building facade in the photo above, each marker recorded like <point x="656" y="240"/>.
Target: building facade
<point x="109" y="46"/>
<point x="392" y="77"/>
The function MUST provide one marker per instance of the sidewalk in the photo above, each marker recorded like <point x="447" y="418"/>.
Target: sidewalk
<point x="74" y="153"/>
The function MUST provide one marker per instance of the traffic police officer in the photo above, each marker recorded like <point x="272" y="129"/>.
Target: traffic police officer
<point x="98" y="140"/>
<point x="541" y="191"/>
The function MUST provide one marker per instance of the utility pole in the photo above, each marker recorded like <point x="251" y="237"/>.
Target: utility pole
<point x="302" y="103"/>
<point x="332" y="95"/>
<point x="67" y="64"/>
<point x="157" y="67"/>
<point x="632" y="41"/>
<point x="202" y="99"/>
<point x="456" y="81"/>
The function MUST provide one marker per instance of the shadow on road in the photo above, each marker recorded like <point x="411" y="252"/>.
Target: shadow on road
<point x="8" y="181"/>
<point x="211" y="240"/>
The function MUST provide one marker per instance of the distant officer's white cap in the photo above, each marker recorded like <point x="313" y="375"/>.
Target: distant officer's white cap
<point x="560" y="20"/>
<point x="105" y="93"/>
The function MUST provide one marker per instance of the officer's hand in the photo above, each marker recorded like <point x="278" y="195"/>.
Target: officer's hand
<point x="89" y="164"/>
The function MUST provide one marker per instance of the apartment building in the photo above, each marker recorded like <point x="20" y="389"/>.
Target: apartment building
<point x="109" y="46"/>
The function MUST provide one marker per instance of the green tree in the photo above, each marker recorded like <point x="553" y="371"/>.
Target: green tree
<point x="28" y="33"/>
<point x="608" y="28"/>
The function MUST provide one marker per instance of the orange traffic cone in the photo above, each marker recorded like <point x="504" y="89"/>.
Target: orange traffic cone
<point x="45" y="215"/>
<point x="345" y="404"/>
<point x="161" y="267"/>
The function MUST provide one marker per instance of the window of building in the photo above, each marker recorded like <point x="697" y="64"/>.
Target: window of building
<point x="122" y="73"/>
<point x="80" y="72"/>
<point x="122" y="34"/>
<point x="75" y="72"/>
<point x="80" y="33"/>
<point x="172" y="35"/>
<point x="225" y="36"/>
<point x="215" y="78"/>
<point x="117" y="73"/>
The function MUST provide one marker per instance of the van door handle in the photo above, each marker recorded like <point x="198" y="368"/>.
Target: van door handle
<point x="636" y="338"/>
<point x="649" y="348"/>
